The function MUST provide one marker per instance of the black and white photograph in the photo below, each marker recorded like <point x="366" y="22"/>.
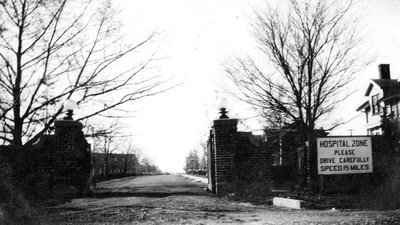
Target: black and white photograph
<point x="199" y="112"/>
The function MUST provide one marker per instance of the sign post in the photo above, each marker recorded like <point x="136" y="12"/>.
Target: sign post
<point x="344" y="155"/>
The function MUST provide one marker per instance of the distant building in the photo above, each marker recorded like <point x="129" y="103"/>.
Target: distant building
<point x="114" y="164"/>
<point x="383" y="100"/>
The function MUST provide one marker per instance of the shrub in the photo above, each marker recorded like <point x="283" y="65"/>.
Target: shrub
<point x="387" y="195"/>
<point x="14" y="209"/>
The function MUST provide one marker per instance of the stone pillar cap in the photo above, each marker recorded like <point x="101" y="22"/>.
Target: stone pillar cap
<point x="67" y="123"/>
<point x="225" y="122"/>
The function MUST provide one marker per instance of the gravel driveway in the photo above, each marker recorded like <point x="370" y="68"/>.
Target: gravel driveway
<point x="173" y="199"/>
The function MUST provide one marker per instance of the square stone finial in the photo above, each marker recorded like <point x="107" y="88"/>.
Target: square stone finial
<point x="61" y="125"/>
<point x="225" y="122"/>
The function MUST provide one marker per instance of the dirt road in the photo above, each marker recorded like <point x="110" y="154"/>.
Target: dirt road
<point x="173" y="199"/>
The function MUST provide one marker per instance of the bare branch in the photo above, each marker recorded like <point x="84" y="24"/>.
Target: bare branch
<point x="51" y="51"/>
<point x="313" y="47"/>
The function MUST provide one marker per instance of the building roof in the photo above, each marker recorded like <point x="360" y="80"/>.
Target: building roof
<point x="363" y="106"/>
<point x="382" y="83"/>
<point x="392" y="86"/>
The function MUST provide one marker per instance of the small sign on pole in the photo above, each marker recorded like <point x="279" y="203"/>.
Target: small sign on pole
<point x="344" y="155"/>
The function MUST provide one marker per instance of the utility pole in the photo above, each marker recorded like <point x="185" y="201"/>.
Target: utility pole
<point x="351" y="131"/>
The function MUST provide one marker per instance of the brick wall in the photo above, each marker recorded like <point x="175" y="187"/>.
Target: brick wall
<point x="239" y="157"/>
<point x="72" y="156"/>
<point x="225" y="138"/>
<point x="63" y="158"/>
<point x="252" y="159"/>
<point x="242" y="158"/>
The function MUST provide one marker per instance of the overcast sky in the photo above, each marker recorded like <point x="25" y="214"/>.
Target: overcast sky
<point x="195" y="38"/>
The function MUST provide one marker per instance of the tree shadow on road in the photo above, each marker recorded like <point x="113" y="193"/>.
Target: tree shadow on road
<point x="112" y="194"/>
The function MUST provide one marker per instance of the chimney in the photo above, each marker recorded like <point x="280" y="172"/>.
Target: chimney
<point x="384" y="71"/>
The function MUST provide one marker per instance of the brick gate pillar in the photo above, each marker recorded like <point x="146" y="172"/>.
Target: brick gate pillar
<point x="225" y="142"/>
<point x="71" y="155"/>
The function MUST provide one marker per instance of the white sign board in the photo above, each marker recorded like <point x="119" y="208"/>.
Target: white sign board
<point x="344" y="155"/>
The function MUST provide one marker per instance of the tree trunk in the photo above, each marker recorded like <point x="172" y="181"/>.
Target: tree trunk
<point x="126" y="165"/>
<point x="310" y="160"/>
<point x="106" y="167"/>
<point x="16" y="91"/>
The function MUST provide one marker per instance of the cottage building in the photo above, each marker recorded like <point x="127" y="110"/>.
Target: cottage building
<point x="115" y="163"/>
<point x="383" y="100"/>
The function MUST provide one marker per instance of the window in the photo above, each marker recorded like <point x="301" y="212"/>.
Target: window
<point x="375" y="131"/>
<point x="394" y="111"/>
<point x="375" y="104"/>
<point x="398" y="110"/>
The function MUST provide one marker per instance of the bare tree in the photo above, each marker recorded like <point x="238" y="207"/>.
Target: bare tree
<point x="104" y="142"/>
<point x="192" y="161"/>
<point x="132" y="154"/>
<point x="312" y="47"/>
<point x="314" y="50"/>
<point x="51" y="51"/>
<point x="203" y="155"/>
<point x="148" y="166"/>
